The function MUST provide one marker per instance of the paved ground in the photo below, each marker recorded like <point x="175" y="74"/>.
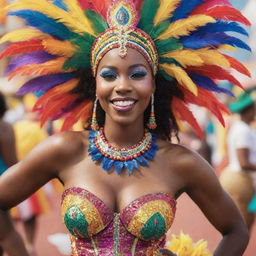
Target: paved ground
<point x="188" y="218"/>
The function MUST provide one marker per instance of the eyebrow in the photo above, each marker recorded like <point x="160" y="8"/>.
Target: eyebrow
<point x="130" y="67"/>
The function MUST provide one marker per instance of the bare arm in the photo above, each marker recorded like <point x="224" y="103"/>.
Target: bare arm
<point x="7" y="144"/>
<point x="204" y="189"/>
<point x="42" y="164"/>
<point x="243" y="158"/>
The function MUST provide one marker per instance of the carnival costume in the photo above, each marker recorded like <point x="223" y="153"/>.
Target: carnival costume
<point x="182" y="42"/>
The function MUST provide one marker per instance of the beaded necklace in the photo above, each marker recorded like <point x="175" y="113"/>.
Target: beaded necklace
<point x="121" y="158"/>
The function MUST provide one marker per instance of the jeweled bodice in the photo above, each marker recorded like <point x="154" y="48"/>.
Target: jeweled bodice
<point x="139" y="229"/>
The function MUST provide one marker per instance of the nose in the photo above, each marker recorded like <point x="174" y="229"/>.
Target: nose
<point x="123" y="85"/>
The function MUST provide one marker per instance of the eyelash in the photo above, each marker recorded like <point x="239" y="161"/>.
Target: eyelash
<point x="108" y="75"/>
<point x="111" y="75"/>
<point x="138" y="74"/>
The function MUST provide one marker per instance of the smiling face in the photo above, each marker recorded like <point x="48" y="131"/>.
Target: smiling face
<point x="124" y="86"/>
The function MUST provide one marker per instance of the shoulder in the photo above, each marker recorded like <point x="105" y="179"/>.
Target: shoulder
<point x="186" y="163"/>
<point x="61" y="150"/>
<point x="67" y="142"/>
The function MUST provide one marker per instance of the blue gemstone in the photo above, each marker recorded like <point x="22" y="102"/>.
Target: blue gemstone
<point x="119" y="166"/>
<point x="122" y="16"/>
<point x="97" y="157"/>
<point x="107" y="163"/>
<point x="142" y="161"/>
<point x="129" y="165"/>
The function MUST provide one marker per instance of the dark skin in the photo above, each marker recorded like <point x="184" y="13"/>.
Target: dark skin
<point x="8" y="234"/>
<point x="175" y="169"/>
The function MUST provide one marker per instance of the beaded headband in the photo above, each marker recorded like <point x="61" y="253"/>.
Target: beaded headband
<point x="183" y="41"/>
<point x="122" y="19"/>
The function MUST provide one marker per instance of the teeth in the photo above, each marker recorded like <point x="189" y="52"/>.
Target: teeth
<point x="123" y="103"/>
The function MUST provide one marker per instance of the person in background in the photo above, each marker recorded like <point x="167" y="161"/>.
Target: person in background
<point x="239" y="177"/>
<point x="10" y="240"/>
<point x="28" y="134"/>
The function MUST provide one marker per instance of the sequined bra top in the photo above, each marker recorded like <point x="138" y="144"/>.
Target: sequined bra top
<point x="139" y="229"/>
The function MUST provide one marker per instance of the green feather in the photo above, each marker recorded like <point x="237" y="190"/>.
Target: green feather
<point x="165" y="75"/>
<point x="98" y="23"/>
<point x="165" y="46"/>
<point x="147" y="15"/>
<point x="169" y="61"/>
<point x="80" y="60"/>
<point x="159" y="29"/>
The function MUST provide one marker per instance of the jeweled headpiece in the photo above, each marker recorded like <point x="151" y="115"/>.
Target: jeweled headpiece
<point x="182" y="40"/>
<point x="122" y="19"/>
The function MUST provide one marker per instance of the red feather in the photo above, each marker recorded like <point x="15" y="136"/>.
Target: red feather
<point x="208" y="100"/>
<point x="183" y="113"/>
<point x="227" y="13"/>
<point x="56" y="105"/>
<point x="215" y="72"/>
<point x="82" y="111"/>
<point x="98" y="6"/>
<point x="202" y="8"/>
<point x="22" y="47"/>
<point x="237" y="65"/>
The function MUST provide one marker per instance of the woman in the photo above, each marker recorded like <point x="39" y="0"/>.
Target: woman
<point x="141" y="73"/>
<point x="8" y="235"/>
<point x="239" y="176"/>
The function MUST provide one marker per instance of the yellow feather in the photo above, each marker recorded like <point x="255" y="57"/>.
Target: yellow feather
<point x="181" y="76"/>
<point x="165" y="10"/>
<point x="213" y="57"/>
<point x="185" y="57"/>
<point x="227" y="47"/>
<point x="54" y="12"/>
<point x="56" y="47"/>
<point x="185" y="26"/>
<point x="78" y="14"/>
<point x="22" y="35"/>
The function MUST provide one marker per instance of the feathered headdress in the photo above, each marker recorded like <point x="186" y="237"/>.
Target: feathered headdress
<point x="188" y="38"/>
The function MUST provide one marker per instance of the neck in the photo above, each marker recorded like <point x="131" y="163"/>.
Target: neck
<point x="123" y="135"/>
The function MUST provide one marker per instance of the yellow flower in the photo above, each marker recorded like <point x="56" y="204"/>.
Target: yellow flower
<point x="183" y="245"/>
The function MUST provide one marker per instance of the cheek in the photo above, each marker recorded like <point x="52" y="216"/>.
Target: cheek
<point x="102" y="89"/>
<point x="145" y="87"/>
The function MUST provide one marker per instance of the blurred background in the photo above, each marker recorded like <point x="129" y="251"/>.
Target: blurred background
<point x="38" y="219"/>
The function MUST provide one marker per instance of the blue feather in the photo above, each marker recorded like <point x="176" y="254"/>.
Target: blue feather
<point x="222" y="26"/>
<point x="208" y="84"/>
<point x="184" y="9"/>
<point x="44" y="23"/>
<point x="44" y="83"/>
<point x="196" y="41"/>
<point x="60" y="4"/>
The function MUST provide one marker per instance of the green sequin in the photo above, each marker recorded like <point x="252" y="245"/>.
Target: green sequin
<point x="75" y="221"/>
<point x="155" y="227"/>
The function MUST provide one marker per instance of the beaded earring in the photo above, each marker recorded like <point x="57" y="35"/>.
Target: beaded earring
<point x="94" y="123"/>
<point x="151" y="124"/>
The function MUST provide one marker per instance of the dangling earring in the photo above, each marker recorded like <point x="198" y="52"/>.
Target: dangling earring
<point x="94" y="123"/>
<point x="151" y="124"/>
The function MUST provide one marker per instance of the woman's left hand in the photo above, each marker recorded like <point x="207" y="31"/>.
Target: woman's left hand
<point x="167" y="252"/>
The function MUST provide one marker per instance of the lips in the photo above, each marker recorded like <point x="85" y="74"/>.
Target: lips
<point x="123" y="104"/>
